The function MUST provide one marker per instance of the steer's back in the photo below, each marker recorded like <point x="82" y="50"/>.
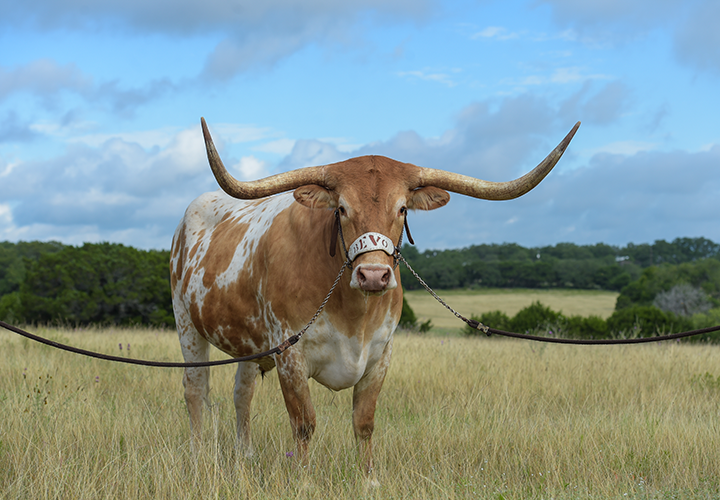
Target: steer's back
<point x="216" y="270"/>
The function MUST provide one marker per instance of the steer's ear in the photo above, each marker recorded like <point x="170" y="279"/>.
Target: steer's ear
<point x="428" y="198"/>
<point x="314" y="196"/>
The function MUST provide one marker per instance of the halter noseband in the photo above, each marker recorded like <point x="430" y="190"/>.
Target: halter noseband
<point x="368" y="242"/>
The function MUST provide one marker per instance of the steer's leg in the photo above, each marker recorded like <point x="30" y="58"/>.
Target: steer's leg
<point x="365" y="395"/>
<point x="244" y="389"/>
<point x="293" y="377"/>
<point x="196" y="380"/>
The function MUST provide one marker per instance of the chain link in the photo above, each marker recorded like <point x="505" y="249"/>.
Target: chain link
<point x="475" y="324"/>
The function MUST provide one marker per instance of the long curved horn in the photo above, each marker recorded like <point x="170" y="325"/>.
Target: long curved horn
<point x="477" y="188"/>
<point x="263" y="187"/>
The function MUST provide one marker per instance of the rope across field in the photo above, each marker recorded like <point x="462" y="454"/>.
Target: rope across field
<point x="486" y="329"/>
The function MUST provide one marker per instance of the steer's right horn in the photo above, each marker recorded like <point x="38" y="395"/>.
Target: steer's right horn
<point x="264" y="187"/>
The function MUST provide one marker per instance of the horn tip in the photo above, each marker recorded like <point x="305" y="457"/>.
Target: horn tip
<point x="205" y="131"/>
<point x="566" y="141"/>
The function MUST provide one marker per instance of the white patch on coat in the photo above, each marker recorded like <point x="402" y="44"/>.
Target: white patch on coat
<point x="204" y="214"/>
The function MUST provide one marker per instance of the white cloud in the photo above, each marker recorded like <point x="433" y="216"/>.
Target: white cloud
<point x="560" y="76"/>
<point x="431" y="76"/>
<point x="66" y="130"/>
<point x="279" y="147"/>
<point x="7" y="169"/>
<point x="598" y="106"/>
<point x="691" y="23"/>
<point x="186" y="17"/>
<point x="119" y="190"/>
<point x="45" y="77"/>
<point x="307" y="153"/>
<point x="116" y="187"/>
<point x="572" y="75"/>
<point x="342" y="144"/>
<point x="626" y="148"/>
<point x="238" y="133"/>
<point x="5" y="215"/>
<point x="697" y="39"/>
<point x="250" y="168"/>
<point x="496" y="32"/>
<point x="145" y="138"/>
<point x="615" y="18"/>
<point x="48" y="81"/>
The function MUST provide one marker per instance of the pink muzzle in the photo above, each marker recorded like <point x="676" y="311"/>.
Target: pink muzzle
<point x="372" y="278"/>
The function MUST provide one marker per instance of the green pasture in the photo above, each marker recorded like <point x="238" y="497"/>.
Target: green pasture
<point x="509" y="300"/>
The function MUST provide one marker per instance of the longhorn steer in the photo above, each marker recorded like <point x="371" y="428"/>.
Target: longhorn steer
<point x="246" y="275"/>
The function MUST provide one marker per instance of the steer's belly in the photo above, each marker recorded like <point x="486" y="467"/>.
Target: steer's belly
<point x="339" y="361"/>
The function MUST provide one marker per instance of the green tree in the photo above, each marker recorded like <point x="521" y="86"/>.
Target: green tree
<point x="407" y="317"/>
<point x="533" y="316"/>
<point x="639" y="321"/>
<point x="98" y="283"/>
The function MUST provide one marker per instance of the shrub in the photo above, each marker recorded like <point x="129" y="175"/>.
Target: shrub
<point x="494" y="319"/>
<point x="11" y="308"/>
<point x="425" y="326"/>
<point x="407" y="317"/>
<point x="409" y="321"/>
<point x="592" y="327"/>
<point x="638" y="321"/>
<point x="706" y="320"/>
<point x="533" y="316"/>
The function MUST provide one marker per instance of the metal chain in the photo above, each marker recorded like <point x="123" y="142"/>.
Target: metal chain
<point x="317" y="313"/>
<point x="488" y="331"/>
<point x="478" y="326"/>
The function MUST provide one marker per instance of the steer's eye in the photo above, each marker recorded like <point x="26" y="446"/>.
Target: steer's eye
<point x="341" y="209"/>
<point x="403" y="211"/>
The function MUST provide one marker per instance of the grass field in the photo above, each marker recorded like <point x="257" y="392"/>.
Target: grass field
<point x="457" y="418"/>
<point x="510" y="301"/>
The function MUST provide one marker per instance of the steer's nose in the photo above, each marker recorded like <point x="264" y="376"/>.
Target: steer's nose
<point x="373" y="278"/>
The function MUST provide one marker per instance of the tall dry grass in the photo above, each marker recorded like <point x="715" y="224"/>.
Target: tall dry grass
<point x="457" y="418"/>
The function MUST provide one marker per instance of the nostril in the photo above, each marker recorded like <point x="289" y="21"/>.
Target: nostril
<point x="373" y="278"/>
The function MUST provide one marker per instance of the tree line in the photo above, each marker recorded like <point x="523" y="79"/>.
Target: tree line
<point x="667" y="284"/>
<point x="96" y="283"/>
<point x="564" y="265"/>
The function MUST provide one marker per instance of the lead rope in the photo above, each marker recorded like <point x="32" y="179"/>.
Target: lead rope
<point x="275" y="350"/>
<point x="488" y="331"/>
<point x="348" y="264"/>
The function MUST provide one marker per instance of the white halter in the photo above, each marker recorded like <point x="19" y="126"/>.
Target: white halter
<point x="369" y="242"/>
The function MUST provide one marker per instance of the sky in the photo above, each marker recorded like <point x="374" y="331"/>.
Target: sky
<point x="100" y="106"/>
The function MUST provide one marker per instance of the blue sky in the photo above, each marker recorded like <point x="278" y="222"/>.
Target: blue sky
<point x="100" y="105"/>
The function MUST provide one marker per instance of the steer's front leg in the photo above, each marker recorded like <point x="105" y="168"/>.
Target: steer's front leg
<point x="292" y="373"/>
<point x="365" y="395"/>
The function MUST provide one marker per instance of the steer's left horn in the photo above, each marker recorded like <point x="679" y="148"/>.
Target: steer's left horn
<point x="264" y="187"/>
<point x="477" y="188"/>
